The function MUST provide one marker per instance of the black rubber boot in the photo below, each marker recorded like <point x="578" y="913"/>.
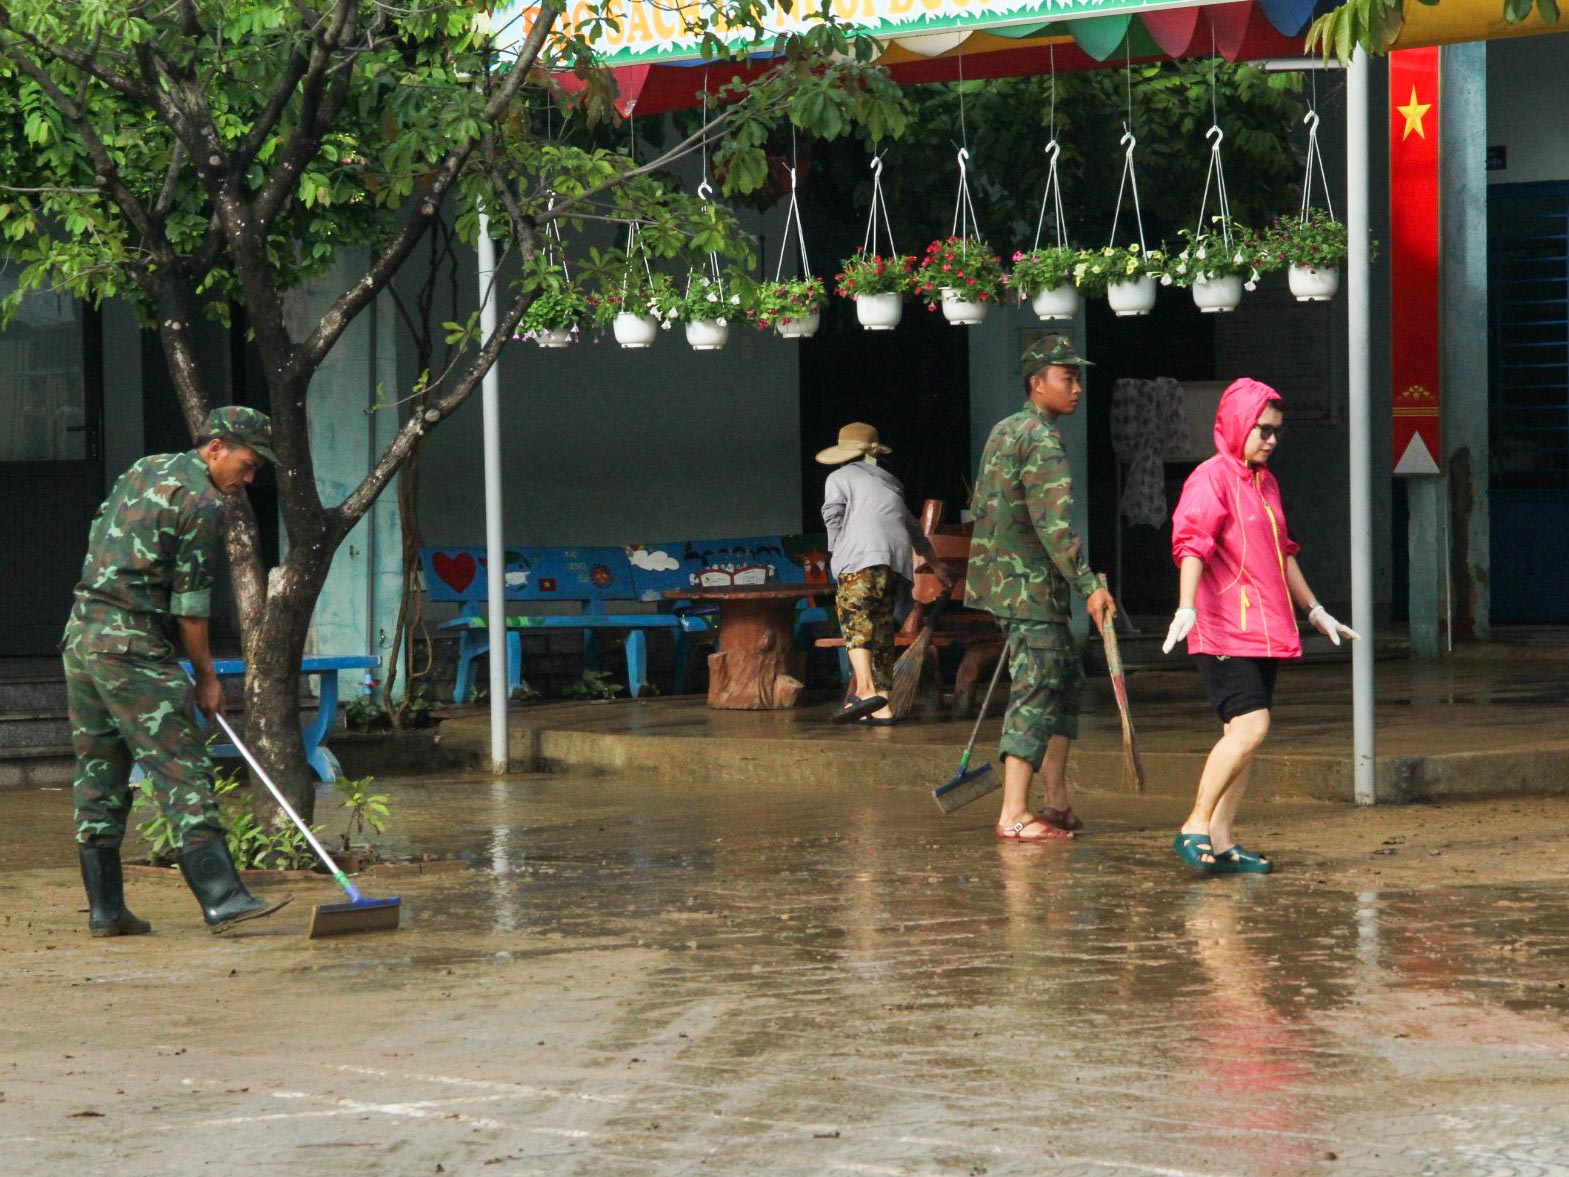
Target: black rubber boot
<point x="105" y="884"/>
<point x="210" y="874"/>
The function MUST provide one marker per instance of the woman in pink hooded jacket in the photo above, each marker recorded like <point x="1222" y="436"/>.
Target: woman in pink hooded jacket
<point x="1239" y="580"/>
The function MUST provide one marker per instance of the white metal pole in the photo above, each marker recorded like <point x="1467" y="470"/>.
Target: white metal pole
<point x="495" y="551"/>
<point x="1360" y="416"/>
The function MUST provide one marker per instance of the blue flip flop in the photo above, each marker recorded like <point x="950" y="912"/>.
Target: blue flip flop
<point x="1190" y="846"/>
<point x="1237" y="861"/>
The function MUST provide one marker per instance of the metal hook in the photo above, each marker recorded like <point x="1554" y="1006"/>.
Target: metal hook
<point x="792" y="179"/>
<point x="1216" y="134"/>
<point x="1053" y="150"/>
<point x="1311" y="119"/>
<point x="877" y="167"/>
<point x="1127" y="139"/>
<point x="964" y="155"/>
<point x="705" y="190"/>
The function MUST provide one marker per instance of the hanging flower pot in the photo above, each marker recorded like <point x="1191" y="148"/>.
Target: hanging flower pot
<point x="633" y="331"/>
<point x="1314" y="283"/>
<point x="799" y="326"/>
<point x="879" y="312"/>
<point x="960" y="311"/>
<point x="554" y="336"/>
<point x="1134" y="297"/>
<point x="1060" y="302"/>
<point x="707" y="334"/>
<point x="1212" y="295"/>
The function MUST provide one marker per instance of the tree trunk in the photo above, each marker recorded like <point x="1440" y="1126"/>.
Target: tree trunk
<point x="274" y="648"/>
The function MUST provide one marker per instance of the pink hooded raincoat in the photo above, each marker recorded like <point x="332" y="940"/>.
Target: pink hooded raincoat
<point x="1230" y="516"/>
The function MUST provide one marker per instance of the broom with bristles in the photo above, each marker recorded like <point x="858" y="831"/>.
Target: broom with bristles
<point x="1132" y="766"/>
<point x="907" y="671"/>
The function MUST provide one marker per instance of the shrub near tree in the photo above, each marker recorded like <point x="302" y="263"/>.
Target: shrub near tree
<point x="193" y="156"/>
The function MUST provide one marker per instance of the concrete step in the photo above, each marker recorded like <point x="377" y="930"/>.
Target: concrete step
<point x="22" y="731"/>
<point x="32" y="693"/>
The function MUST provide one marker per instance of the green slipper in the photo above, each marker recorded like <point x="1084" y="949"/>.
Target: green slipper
<point x="1190" y="846"/>
<point x="1237" y="861"/>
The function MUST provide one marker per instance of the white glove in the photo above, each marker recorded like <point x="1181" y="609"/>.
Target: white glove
<point x="1182" y="623"/>
<point x="1319" y="619"/>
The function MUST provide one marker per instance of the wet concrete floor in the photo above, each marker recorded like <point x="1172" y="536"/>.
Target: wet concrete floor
<point x="812" y="979"/>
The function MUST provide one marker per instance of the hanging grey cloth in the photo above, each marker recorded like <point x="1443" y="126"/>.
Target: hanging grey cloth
<point x="1147" y="427"/>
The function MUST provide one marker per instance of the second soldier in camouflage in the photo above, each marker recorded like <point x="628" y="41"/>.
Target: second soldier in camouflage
<point x="1025" y="562"/>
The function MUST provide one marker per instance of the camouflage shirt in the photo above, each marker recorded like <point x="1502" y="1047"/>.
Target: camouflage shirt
<point x="1024" y="556"/>
<point x="154" y="540"/>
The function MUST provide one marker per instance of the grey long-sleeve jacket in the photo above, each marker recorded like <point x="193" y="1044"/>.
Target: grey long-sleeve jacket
<point x="868" y="522"/>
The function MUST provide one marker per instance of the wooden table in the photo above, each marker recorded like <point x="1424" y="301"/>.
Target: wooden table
<point x="756" y="667"/>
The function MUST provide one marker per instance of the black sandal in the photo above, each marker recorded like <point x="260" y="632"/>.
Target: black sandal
<point x="857" y="708"/>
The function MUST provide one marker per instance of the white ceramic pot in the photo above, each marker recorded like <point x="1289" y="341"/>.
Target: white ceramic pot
<point x="1132" y="298"/>
<point x="707" y="334"/>
<point x="879" y="312"/>
<point x="553" y="337"/>
<point x="1060" y="302"/>
<point x="635" y="330"/>
<point x="1311" y="284"/>
<point x="961" y="313"/>
<point x="800" y="327"/>
<point x="1212" y="295"/>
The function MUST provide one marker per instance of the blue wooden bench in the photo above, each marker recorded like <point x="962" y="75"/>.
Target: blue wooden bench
<point x="593" y="578"/>
<point x="314" y="737"/>
<point x="589" y="578"/>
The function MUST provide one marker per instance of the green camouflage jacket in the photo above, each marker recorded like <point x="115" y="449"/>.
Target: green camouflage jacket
<point x="154" y="540"/>
<point x="1024" y="556"/>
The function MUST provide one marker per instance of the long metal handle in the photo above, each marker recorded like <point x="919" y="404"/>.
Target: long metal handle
<point x="321" y="851"/>
<point x="980" y="716"/>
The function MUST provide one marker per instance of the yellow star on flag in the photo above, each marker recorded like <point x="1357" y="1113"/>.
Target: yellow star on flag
<point x="1413" y="112"/>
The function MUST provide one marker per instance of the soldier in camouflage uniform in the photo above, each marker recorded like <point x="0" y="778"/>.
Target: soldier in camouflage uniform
<point x="1024" y="561"/>
<point x="146" y="581"/>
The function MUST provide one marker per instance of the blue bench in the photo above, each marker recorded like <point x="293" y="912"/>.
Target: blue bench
<point x="314" y="737"/>
<point x="594" y="578"/>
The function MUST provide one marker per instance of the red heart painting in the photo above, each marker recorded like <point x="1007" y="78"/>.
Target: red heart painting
<point x="456" y="571"/>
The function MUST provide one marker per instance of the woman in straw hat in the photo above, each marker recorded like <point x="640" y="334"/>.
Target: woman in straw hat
<point x="870" y="535"/>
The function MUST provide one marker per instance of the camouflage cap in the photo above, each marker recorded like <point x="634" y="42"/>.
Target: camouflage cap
<point x="246" y="426"/>
<point x="1048" y="350"/>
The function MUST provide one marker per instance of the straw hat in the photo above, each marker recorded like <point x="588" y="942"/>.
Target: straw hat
<point x="856" y="440"/>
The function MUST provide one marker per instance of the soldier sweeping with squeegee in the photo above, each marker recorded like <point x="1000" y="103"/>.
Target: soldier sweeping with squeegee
<point x="147" y="579"/>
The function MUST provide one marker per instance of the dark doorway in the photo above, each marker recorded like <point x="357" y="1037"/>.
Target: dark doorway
<point x="1528" y="400"/>
<point x="51" y="463"/>
<point x="912" y="383"/>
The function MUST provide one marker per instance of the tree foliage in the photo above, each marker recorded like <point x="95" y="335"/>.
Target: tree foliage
<point x="189" y="155"/>
<point x="1373" y="25"/>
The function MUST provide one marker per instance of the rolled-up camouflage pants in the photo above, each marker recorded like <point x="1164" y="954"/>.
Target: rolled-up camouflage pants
<point x="865" y="603"/>
<point x="1043" y="697"/>
<point x="129" y="700"/>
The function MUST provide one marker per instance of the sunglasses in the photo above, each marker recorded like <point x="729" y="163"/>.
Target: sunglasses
<point x="1265" y="432"/>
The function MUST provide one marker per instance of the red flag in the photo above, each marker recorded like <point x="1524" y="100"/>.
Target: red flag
<point x="1413" y="259"/>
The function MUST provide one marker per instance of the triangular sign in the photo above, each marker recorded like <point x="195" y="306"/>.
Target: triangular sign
<point x="1417" y="459"/>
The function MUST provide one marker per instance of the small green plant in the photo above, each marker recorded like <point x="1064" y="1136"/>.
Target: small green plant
<point x="1210" y="255"/>
<point x="872" y="273"/>
<point x="962" y="264"/>
<point x="595" y="684"/>
<point x="366" y="715"/>
<point x="1042" y="269"/>
<point x="772" y="303"/>
<point x="638" y="293"/>
<point x="1115" y="264"/>
<point x="704" y="299"/>
<point x="367" y="810"/>
<point x="1320" y="242"/>
<point x="416" y="708"/>
<point x="559" y="306"/>
<point x="251" y="845"/>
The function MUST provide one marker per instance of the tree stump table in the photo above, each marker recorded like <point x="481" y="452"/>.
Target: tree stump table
<point x="756" y="667"/>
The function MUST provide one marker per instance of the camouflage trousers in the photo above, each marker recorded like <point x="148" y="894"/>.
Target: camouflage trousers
<point x="129" y="700"/>
<point x="1046" y="676"/>
<point x="865" y="603"/>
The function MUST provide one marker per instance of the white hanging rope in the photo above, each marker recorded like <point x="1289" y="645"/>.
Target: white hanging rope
<point x="634" y="237"/>
<point x="705" y="192"/>
<point x="1052" y="196"/>
<point x="879" y="214"/>
<point x="1216" y="175"/>
<point x="1130" y="178"/>
<point x="793" y="223"/>
<point x="963" y="209"/>
<point x="1130" y="175"/>
<point x="1314" y="156"/>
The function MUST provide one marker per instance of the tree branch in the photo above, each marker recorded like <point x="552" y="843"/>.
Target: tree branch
<point x="691" y="143"/>
<point x="423" y="210"/>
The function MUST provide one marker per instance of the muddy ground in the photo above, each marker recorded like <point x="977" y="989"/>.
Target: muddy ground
<point x="628" y="978"/>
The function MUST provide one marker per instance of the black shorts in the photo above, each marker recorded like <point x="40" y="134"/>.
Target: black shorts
<point x="1236" y="686"/>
